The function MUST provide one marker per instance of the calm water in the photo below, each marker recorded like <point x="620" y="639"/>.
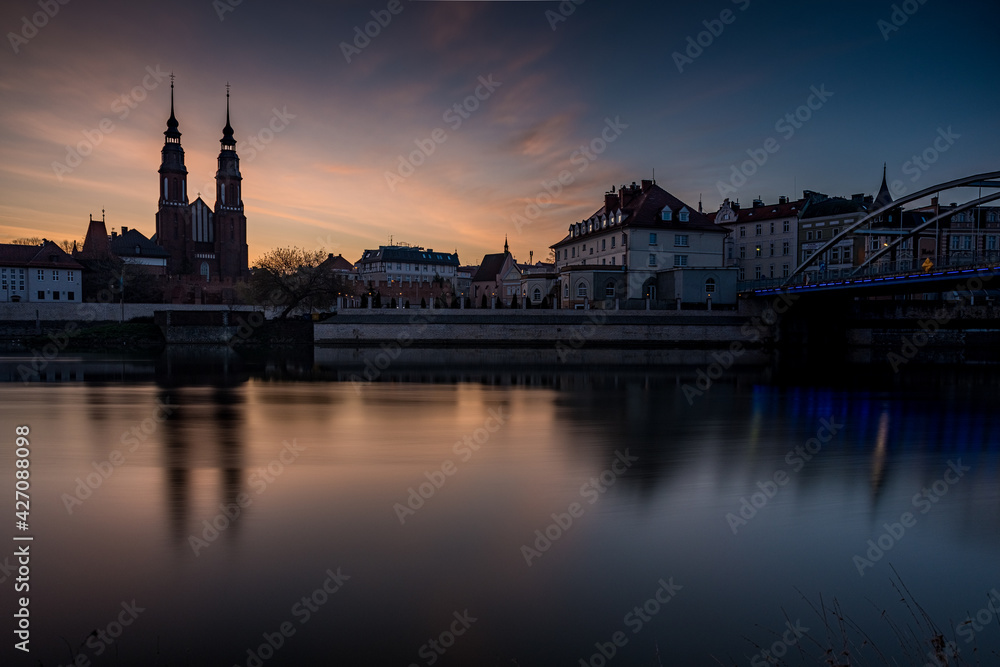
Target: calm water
<point x="653" y="551"/>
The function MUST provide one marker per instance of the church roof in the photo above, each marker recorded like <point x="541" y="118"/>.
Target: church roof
<point x="490" y="267"/>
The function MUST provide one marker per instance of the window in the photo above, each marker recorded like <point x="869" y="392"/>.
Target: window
<point x="772" y="226"/>
<point x="743" y="252"/>
<point x="613" y="239"/>
<point x="55" y="295"/>
<point x="809" y="236"/>
<point x="757" y="252"/>
<point x="683" y="216"/>
<point x="784" y="270"/>
<point x="612" y="261"/>
<point x="756" y="272"/>
<point x="770" y="271"/>
<point x="743" y="273"/>
<point x="591" y="251"/>
<point x="784" y="247"/>
<point x="680" y="260"/>
<point x="652" y="239"/>
<point x="71" y="295"/>
<point x="681" y="240"/>
<point x="536" y="295"/>
<point x="954" y="243"/>
<point x="652" y="260"/>
<point x="55" y="274"/>
<point x="771" y="248"/>
<point x="834" y="231"/>
<point x="757" y="229"/>
<point x="566" y="291"/>
<point x="743" y="231"/>
<point x="666" y="214"/>
<point x="41" y="295"/>
<point x="41" y="274"/>
<point x="581" y="290"/>
<point x="784" y="226"/>
<point x="609" y="289"/>
<point x="70" y="277"/>
<point x="966" y="243"/>
<point x="819" y="234"/>
<point x="604" y="244"/>
<point x="710" y="286"/>
<point x="991" y="243"/>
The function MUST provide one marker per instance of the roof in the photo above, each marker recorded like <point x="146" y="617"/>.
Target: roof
<point x="641" y="206"/>
<point x="132" y="243"/>
<point x="883" y="198"/>
<point x="490" y="267"/>
<point x="337" y="263"/>
<point x="95" y="245"/>
<point x="47" y="255"/>
<point x="766" y="212"/>
<point x="832" y="206"/>
<point x="389" y="253"/>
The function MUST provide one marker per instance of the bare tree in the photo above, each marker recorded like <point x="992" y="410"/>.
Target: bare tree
<point x="292" y="277"/>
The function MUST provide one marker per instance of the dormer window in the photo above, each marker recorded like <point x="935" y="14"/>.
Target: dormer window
<point x="683" y="215"/>
<point x="666" y="214"/>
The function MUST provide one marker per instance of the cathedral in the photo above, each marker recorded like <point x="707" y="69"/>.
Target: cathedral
<point x="206" y="243"/>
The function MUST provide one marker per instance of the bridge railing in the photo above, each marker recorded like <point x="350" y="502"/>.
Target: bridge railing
<point x="883" y="269"/>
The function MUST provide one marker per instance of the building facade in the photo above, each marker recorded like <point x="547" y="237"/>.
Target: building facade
<point x="763" y="239"/>
<point x="209" y="243"/>
<point x="39" y="274"/>
<point x="620" y="255"/>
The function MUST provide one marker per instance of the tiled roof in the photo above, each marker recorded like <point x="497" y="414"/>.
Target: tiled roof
<point x="46" y="255"/>
<point x="643" y="207"/>
<point x="766" y="212"/>
<point x="338" y="263"/>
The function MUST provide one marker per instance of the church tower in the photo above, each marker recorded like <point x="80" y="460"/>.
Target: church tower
<point x="173" y="217"/>
<point x="230" y="222"/>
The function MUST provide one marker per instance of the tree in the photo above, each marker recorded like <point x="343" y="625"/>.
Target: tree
<point x="290" y="278"/>
<point x="513" y="301"/>
<point x="545" y="302"/>
<point x="483" y="304"/>
<point x="423" y="302"/>
<point x="377" y="302"/>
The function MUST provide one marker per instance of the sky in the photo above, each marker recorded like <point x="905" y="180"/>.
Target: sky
<point x="452" y="125"/>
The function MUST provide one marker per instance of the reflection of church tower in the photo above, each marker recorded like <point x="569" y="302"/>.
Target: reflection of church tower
<point x="173" y="217"/>
<point x="230" y="223"/>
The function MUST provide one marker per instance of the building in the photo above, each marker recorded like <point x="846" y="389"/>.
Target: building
<point x="963" y="238"/>
<point x="498" y="277"/>
<point x="39" y="273"/>
<point x="822" y="219"/>
<point x="132" y="247"/>
<point x="538" y="281"/>
<point x="763" y="239"/>
<point x="643" y="245"/>
<point x="411" y="273"/>
<point x="205" y="243"/>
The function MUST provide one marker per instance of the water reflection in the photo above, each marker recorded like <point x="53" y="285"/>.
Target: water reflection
<point x="365" y="446"/>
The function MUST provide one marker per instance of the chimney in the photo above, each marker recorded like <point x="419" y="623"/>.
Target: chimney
<point x="612" y="202"/>
<point x="782" y="200"/>
<point x="646" y="185"/>
<point x="124" y="229"/>
<point x="757" y="203"/>
<point x="114" y="234"/>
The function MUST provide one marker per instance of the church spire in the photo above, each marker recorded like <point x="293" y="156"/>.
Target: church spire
<point x="884" y="197"/>
<point x="171" y="132"/>
<point x="227" y="140"/>
<point x="506" y="249"/>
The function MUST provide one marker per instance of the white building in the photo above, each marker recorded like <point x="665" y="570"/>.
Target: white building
<point x="407" y="265"/>
<point x="630" y="249"/>
<point x="39" y="273"/>
<point x="763" y="239"/>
